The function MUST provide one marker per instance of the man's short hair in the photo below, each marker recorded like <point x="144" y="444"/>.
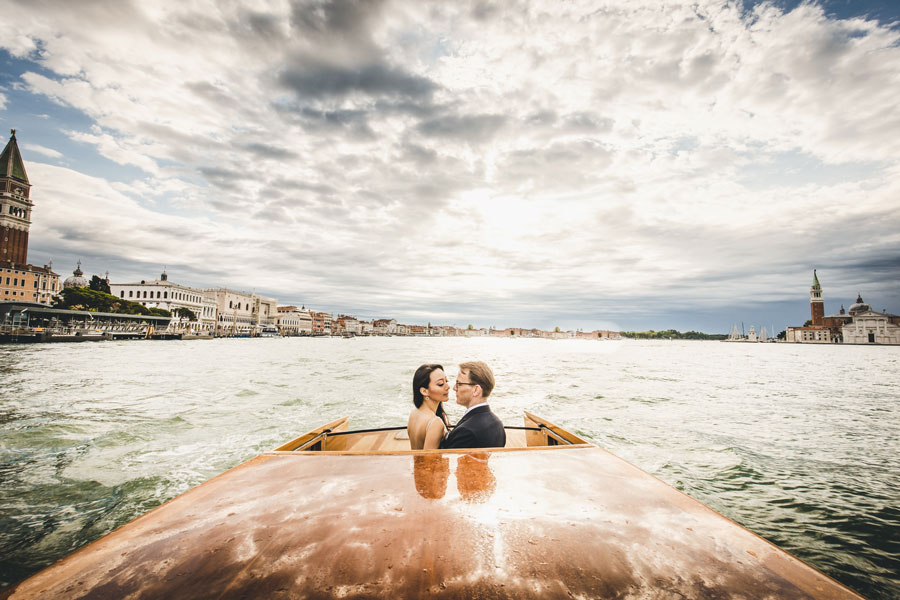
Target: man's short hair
<point x="481" y="374"/>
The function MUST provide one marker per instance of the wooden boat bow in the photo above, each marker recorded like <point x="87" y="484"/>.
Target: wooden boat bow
<point x="552" y="522"/>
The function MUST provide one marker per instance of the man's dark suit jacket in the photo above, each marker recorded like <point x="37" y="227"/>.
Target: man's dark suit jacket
<point x="479" y="428"/>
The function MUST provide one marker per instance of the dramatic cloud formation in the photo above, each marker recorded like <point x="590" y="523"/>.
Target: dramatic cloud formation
<point x="597" y="164"/>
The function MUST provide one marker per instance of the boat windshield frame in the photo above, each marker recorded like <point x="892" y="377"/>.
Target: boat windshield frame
<point x="557" y="439"/>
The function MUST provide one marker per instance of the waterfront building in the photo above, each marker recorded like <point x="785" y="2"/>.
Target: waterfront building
<point x="870" y="327"/>
<point x="164" y="294"/>
<point x="809" y="335"/>
<point x="859" y="325"/>
<point x="15" y="217"/>
<point x="294" y="321"/>
<point x="265" y="311"/>
<point x="321" y="323"/>
<point x="234" y="312"/>
<point x="28" y="283"/>
<point x="816" y="302"/>
<point x="384" y="326"/>
<point x="817" y="332"/>
<point x="835" y="322"/>
<point x="365" y="328"/>
<point x="599" y="334"/>
<point x="19" y="280"/>
<point x="76" y="279"/>
<point x="475" y="332"/>
<point x="345" y="324"/>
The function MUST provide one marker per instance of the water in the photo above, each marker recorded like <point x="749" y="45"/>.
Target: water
<point x="797" y="443"/>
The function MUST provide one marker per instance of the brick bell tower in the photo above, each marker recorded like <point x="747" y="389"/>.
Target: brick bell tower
<point x="15" y="205"/>
<point x="816" y="303"/>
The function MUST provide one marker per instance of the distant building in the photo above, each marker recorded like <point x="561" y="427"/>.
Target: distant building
<point x="76" y="279"/>
<point x="835" y="323"/>
<point x="384" y="326"/>
<point x="816" y="302"/>
<point x="345" y="324"/>
<point x="264" y="312"/>
<point x="234" y="312"/>
<point x="597" y="334"/>
<point x="859" y="325"/>
<point x="15" y="217"/>
<point x="164" y="294"/>
<point x="28" y="283"/>
<point x="870" y="327"/>
<point x="294" y="321"/>
<point x="817" y="332"/>
<point x="321" y="323"/>
<point x="19" y="280"/>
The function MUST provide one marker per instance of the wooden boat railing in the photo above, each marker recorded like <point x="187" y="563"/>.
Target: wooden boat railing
<point x="336" y="437"/>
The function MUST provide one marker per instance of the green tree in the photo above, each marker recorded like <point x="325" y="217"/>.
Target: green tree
<point x="99" y="285"/>
<point x="673" y="334"/>
<point x="470" y="326"/>
<point x="556" y="329"/>
<point x="96" y="301"/>
<point x="808" y="323"/>
<point x="185" y="312"/>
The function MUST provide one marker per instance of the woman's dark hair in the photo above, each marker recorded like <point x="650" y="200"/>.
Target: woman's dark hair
<point x="422" y="379"/>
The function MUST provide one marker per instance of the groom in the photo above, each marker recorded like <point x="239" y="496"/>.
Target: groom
<point x="479" y="427"/>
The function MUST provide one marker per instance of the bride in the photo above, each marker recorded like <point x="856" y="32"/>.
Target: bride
<point x="427" y="422"/>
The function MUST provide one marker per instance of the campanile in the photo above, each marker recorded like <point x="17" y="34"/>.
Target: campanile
<point x="15" y="205"/>
<point x="816" y="302"/>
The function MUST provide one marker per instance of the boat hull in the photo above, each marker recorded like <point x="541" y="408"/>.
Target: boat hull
<point x="553" y="522"/>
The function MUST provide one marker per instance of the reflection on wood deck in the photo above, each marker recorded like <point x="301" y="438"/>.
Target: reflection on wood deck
<point x="322" y="518"/>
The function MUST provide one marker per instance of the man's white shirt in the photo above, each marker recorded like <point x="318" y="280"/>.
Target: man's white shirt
<point x="471" y="408"/>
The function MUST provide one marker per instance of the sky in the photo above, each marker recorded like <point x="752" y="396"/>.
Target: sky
<point x="625" y="165"/>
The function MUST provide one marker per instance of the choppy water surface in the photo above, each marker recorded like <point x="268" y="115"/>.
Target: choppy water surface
<point x="797" y="443"/>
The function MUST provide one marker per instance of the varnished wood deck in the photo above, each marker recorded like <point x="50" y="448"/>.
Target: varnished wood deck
<point x="548" y="523"/>
<point x="538" y="522"/>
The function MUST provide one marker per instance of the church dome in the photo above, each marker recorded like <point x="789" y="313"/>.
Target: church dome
<point x="77" y="279"/>
<point x="859" y="307"/>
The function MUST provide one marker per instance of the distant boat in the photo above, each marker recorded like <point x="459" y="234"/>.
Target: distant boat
<point x="269" y="331"/>
<point x="735" y="335"/>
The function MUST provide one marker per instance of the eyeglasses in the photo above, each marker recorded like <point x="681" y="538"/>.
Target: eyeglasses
<point x="458" y="383"/>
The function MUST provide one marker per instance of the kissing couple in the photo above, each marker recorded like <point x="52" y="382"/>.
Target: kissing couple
<point x="428" y="424"/>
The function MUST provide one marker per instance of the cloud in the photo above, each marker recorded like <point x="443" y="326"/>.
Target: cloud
<point x="42" y="150"/>
<point x="471" y="128"/>
<point x="326" y="81"/>
<point x="267" y="151"/>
